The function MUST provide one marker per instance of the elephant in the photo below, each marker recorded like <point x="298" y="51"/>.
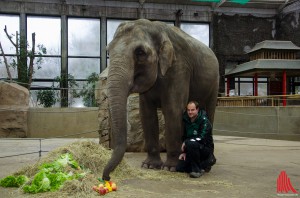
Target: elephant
<point x="168" y="68"/>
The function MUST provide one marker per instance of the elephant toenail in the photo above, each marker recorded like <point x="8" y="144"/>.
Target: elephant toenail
<point x="144" y="165"/>
<point x="173" y="169"/>
<point x="166" y="168"/>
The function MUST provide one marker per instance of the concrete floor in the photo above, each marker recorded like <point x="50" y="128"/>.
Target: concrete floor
<point x="246" y="167"/>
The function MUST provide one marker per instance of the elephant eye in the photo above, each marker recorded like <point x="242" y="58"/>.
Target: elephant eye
<point x="140" y="51"/>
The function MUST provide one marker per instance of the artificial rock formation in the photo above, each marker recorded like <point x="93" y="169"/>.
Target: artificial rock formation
<point x="14" y="105"/>
<point x="135" y="139"/>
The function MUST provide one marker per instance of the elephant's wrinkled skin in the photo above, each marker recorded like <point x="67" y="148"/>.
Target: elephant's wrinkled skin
<point x="168" y="68"/>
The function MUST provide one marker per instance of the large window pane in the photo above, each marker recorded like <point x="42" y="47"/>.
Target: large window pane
<point x="83" y="37"/>
<point x="12" y="25"/>
<point x="49" y="69"/>
<point x="262" y="89"/>
<point x="76" y="101"/>
<point x="47" y="32"/>
<point x="81" y="68"/>
<point x="246" y="89"/>
<point x="3" y="71"/>
<point x="246" y="79"/>
<point x="112" y="26"/>
<point x="198" y="31"/>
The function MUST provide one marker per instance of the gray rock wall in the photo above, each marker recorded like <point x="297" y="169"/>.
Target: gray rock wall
<point x="14" y="105"/>
<point x="288" y="25"/>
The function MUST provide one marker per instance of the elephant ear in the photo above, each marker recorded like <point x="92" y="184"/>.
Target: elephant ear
<point x="166" y="54"/>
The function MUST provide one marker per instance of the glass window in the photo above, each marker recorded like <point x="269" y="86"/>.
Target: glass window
<point x="246" y="89"/>
<point x="12" y="23"/>
<point x="49" y="68"/>
<point x="297" y="89"/>
<point x="75" y="101"/>
<point x="83" y="37"/>
<point x="262" y="79"/>
<point x="262" y="89"/>
<point x="81" y="68"/>
<point x="198" y="31"/>
<point x="112" y="26"/>
<point x="3" y="71"/>
<point x="40" y="86"/>
<point x="33" y="102"/>
<point x="84" y="43"/>
<point x="246" y="79"/>
<point x="297" y="79"/>
<point x="47" y="32"/>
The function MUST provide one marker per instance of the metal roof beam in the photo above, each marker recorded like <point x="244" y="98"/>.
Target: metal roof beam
<point x="220" y="3"/>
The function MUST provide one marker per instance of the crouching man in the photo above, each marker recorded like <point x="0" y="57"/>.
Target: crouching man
<point x="197" y="155"/>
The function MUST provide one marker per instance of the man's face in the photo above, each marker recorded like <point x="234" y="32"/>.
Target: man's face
<point x="192" y="110"/>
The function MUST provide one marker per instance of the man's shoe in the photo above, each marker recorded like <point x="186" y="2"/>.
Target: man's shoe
<point x="196" y="174"/>
<point x="212" y="160"/>
<point x="207" y="169"/>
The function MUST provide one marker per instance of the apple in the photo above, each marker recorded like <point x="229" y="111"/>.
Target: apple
<point x="101" y="186"/>
<point x="95" y="188"/>
<point x="102" y="191"/>
<point x="106" y="189"/>
<point x="114" y="186"/>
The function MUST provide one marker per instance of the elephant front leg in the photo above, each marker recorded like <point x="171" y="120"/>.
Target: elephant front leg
<point x="149" y="120"/>
<point x="173" y="133"/>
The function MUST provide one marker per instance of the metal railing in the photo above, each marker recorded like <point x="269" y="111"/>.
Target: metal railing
<point x="271" y="100"/>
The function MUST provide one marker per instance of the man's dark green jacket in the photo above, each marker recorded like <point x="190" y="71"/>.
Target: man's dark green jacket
<point x="200" y="128"/>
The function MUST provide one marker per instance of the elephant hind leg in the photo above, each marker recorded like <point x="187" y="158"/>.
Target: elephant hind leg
<point x="211" y="106"/>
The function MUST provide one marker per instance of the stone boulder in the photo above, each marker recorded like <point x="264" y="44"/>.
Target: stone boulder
<point x="135" y="136"/>
<point x="14" y="105"/>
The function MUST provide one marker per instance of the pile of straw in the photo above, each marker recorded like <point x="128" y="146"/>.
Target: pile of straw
<point x="91" y="156"/>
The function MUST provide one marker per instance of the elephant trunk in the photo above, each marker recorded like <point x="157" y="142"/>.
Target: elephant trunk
<point x="118" y="91"/>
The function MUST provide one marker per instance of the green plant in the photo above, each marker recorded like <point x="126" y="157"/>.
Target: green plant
<point x="88" y="91"/>
<point x="46" y="98"/>
<point x="72" y="86"/>
<point x="25" y="70"/>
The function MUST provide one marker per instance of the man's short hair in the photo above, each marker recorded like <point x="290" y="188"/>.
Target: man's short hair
<point x="195" y="103"/>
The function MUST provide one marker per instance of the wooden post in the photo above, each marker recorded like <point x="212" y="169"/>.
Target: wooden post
<point x="228" y="86"/>
<point x="178" y="15"/>
<point x="255" y="85"/>
<point x="284" y="88"/>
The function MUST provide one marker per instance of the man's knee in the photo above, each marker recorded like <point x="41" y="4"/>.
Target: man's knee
<point x="190" y="144"/>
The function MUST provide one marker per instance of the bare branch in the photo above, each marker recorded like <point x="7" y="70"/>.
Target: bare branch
<point x="6" y="64"/>
<point x="9" y="37"/>
<point x="31" y="58"/>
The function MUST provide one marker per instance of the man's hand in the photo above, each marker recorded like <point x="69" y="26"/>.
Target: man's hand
<point x="182" y="156"/>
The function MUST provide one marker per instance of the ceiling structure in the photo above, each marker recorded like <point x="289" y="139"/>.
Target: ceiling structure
<point x="260" y="4"/>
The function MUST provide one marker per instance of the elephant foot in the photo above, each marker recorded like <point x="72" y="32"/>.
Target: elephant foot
<point x="152" y="163"/>
<point x="170" y="165"/>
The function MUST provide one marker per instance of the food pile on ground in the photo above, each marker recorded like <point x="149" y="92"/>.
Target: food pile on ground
<point x="105" y="187"/>
<point x="69" y="170"/>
